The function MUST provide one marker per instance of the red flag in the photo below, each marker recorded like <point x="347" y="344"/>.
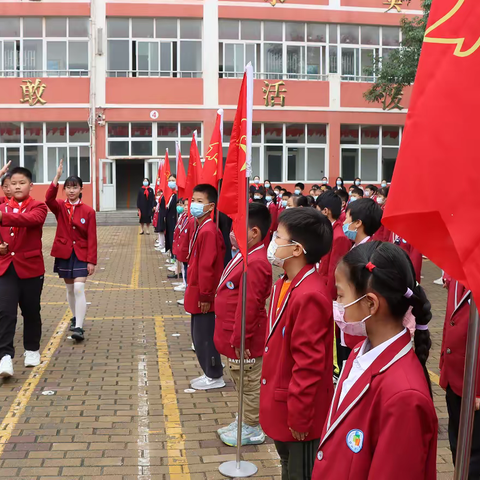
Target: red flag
<point x="439" y="147"/>
<point x="194" y="173"/>
<point x="159" y="187"/>
<point x="234" y="196"/>
<point x="213" y="166"/>
<point x="164" y="175"/>
<point x="181" y="177"/>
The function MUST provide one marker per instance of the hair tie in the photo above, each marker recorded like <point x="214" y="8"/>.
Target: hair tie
<point x="421" y="327"/>
<point x="408" y="293"/>
<point x="370" y="266"/>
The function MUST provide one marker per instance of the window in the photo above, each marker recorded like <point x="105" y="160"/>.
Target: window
<point x="369" y="152"/>
<point x="154" y="47"/>
<point x="297" y="50"/>
<point x="286" y="152"/>
<point x="40" y="147"/>
<point x="153" y="140"/>
<point x="37" y="47"/>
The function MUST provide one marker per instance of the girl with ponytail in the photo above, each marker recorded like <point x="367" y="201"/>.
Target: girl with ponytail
<point x="382" y="422"/>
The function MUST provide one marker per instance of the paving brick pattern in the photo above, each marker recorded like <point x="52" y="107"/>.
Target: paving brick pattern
<point x="119" y="410"/>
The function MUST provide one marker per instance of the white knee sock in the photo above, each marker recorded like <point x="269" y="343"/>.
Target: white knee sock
<point x="80" y="303"/>
<point x="161" y="240"/>
<point x="71" y="297"/>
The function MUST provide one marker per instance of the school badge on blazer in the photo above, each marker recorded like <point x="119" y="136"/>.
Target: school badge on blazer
<point x="230" y="285"/>
<point x="355" y="440"/>
<point x="82" y="220"/>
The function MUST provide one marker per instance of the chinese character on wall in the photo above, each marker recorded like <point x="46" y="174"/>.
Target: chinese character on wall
<point x="274" y="2"/>
<point x="273" y="93"/>
<point x="394" y="4"/>
<point x="32" y="92"/>
<point x="392" y="101"/>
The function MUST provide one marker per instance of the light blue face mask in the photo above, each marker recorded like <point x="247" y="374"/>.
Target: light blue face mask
<point x="268" y="198"/>
<point x="196" y="209"/>
<point x="284" y="203"/>
<point x="298" y="191"/>
<point x="350" y="234"/>
<point x="352" y="199"/>
<point x="384" y="184"/>
<point x="145" y="184"/>
<point x="172" y="185"/>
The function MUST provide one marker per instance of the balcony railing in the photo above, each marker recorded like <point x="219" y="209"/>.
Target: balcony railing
<point x="152" y="73"/>
<point x="43" y="73"/>
<point x="276" y="76"/>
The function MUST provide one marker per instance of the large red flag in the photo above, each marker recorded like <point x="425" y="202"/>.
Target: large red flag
<point x="181" y="177"/>
<point x="234" y="197"/>
<point x="165" y="174"/>
<point x="433" y="198"/>
<point x="213" y="166"/>
<point x="194" y="173"/>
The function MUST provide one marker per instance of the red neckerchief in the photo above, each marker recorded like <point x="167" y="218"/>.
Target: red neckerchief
<point x="14" y="205"/>
<point x="145" y="191"/>
<point x="71" y="210"/>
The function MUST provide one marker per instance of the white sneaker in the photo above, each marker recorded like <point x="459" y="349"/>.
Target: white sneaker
<point x="231" y="427"/>
<point x="157" y="243"/>
<point x="159" y="249"/>
<point x="172" y="269"/>
<point x="181" y="301"/>
<point x="208" y="383"/>
<point x="201" y="377"/>
<point x="438" y="281"/>
<point x="180" y="288"/>
<point x="193" y="347"/>
<point x="32" y="359"/>
<point x="6" y="367"/>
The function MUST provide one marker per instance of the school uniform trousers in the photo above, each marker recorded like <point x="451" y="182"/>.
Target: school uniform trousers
<point x="21" y="275"/>
<point x="228" y="308"/>
<point x="452" y="365"/>
<point x="205" y="265"/>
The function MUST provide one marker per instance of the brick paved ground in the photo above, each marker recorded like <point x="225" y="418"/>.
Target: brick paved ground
<point x="119" y="410"/>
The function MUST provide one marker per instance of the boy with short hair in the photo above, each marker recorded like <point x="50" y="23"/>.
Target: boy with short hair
<point x="296" y="385"/>
<point x="299" y="188"/>
<point x="284" y="203"/>
<point x="21" y="270"/>
<point x="344" y="198"/>
<point x="228" y="323"/>
<point x="363" y="219"/>
<point x="371" y="191"/>
<point x="205" y="267"/>
<point x="357" y="193"/>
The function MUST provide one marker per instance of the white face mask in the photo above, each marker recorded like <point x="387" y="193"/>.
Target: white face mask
<point x="380" y="200"/>
<point x="272" y="249"/>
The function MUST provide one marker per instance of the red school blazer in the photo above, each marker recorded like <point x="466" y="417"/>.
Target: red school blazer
<point x="341" y="245"/>
<point x="454" y="342"/>
<point x="24" y="244"/>
<point x="80" y="236"/>
<point x="228" y="303"/>
<point x="296" y="385"/>
<point x="205" y="266"/>
<point x="386" y="427"/>
<point x="177" y="230"/>
<point x="274" y="213"/>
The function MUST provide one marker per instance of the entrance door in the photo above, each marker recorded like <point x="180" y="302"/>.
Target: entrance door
<point x="107" y="186"/>
<point x="151" y="171"/>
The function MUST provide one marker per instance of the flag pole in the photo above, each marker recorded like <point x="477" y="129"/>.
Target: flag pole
<point x="467" y="411"/>
<point x="239" y="468"/>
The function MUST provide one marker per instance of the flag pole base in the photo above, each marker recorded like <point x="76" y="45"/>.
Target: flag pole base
<point x="229" y="469"/>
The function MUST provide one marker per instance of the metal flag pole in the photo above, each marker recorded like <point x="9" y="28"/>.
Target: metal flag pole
<point x="467" y="411"/>
<point x="239" y="468"/>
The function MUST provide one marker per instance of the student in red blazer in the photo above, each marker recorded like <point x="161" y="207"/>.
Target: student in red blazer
<point x="228" y="322"/>
<point x="205" y="267"/>
<point x="452" y="366"/>
<point x="180" y="242"/>
<point x="330" y="205"/>
<point x="297" y="364"/>
<point x="382" y="422"/>
<point x="272" y="206"/>
<point x="75" y="245"/>
<point x="21" y="270"/>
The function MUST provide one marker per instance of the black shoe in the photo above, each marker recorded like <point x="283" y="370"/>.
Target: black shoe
<point x="78" y="334"/>
<point x="174" y="275"/>
<point x="73" y="321"/>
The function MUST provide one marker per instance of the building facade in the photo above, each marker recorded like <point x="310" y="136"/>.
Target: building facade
<point x="110" y="85"/>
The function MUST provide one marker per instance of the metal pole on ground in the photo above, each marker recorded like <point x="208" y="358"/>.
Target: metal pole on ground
<point x="239" y="468"/>
<point x="467" y="411"/>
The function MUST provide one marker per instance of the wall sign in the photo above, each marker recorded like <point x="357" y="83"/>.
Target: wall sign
<point x="273" y="94"/>
<point x="274" y="2"/>
<point x="393" y="4"/>
<point x="32" y="92"/>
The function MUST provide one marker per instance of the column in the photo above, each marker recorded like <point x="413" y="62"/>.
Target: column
<point x="210" y="54"/>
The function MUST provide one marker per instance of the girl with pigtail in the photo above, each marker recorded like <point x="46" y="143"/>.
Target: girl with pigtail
<point x="382" y="422"/>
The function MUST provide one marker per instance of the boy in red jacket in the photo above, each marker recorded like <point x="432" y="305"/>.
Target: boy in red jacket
<point x="21" y="271"/>
<point x="228" y="308"/>
<point x="296" y="384"/>
<point x="205" y="267"/>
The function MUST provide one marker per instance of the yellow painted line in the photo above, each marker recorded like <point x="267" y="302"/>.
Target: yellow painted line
<point x="115" y="289"/>
<point x="177" y="457"/>
<point x="434" y="377"/>
<point x="136" y="264"/>
<point x="176" y="316"/>
<point x="119" y="318"/>
<point x="21" y="400"/>
<point x="54" y="303"/>
<point x="99" y="281"/>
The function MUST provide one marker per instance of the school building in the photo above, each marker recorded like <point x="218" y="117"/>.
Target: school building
<point x="109" y="85"/>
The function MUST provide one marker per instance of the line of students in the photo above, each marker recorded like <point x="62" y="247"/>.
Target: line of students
<point x="382" y="410"/>
<point x="22" y="267"/>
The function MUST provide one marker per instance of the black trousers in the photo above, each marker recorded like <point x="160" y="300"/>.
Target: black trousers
<point x="297" y="458"/>
<point x="185" y="269"/>
<point x="454" y="403"/>
<point x="342" y="354"/>
<point x="203" y="328"/>
<point x="26" y="293"/>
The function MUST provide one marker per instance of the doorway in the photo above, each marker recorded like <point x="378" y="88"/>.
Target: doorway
<point x="130" y="175"/>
